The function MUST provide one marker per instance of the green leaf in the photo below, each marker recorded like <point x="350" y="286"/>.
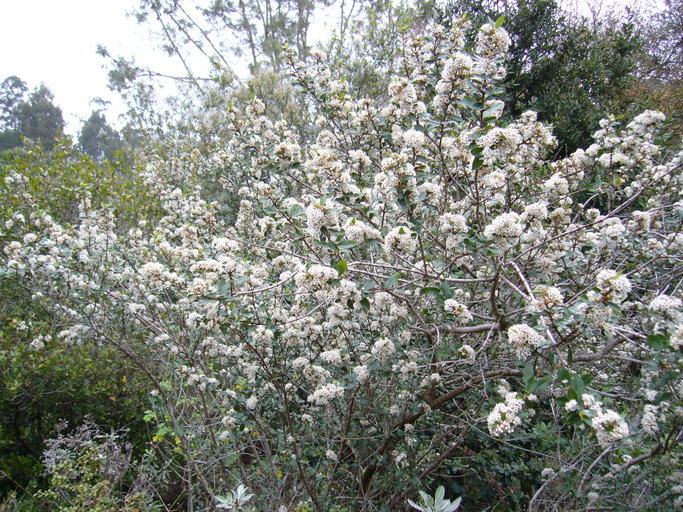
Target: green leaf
<point x="468" y="102"/>
<point x="544" y="382"/>
<point x="657" y="341"/>
<point x="587" y="378"/>
<point x="365" y="303"/>
<point x="347" y="244"/>
<point x="342" y="266"/>
<point x="499" y="22"/>
<point x="563" y="374"/>
<point x="416" y="506"/>
<point x="430" y="290"/>
<point x="392" y="280"/>
<point x="577" y="384"/>
<point x="446" y="290"/>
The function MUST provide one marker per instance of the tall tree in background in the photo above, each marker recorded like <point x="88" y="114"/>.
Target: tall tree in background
<point x="660" y="69"/>
<point x="39" y="118"/>
<point x="210" y="39"/>
<point x="36" y="117"/>
<point x="98" y="139"/>
<point x="265" y="26"/>
<point x="218" y="31"/>
<point x="12" y="92"/>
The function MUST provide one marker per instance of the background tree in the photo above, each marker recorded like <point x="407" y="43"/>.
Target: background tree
<point x="98" y="139"/>
<point x="368" y="45"/>
<point x="39" y="118"/>
<point x="36" y="117"/>
<point x="659" y="81"/>
<point x="12" y="92"/>
<point x="265" y="26"/>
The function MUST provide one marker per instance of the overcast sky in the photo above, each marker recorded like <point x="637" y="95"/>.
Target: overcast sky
<point x="54" y="42"/>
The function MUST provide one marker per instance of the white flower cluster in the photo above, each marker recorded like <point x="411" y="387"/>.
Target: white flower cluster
<point x="613" y="286"/>
<point x="458" y="310"/>
<point x="400" y="241"/>
<point x="535" y="213"/>
<point x="360" y="232"/>
<point x="319" y="216"/>
<point x="455" y="71"/>
<point x="333" y="357"/>
<point x="402" y="91"/>
<point x="609" y="426"/>
<point x="315" y="278"/>
<point x="288" y="152"/>
<point x="676" y="340"/>
<point x="665" y="304"/>
<point x="500" y="143"/>
<point x="649" y="420"/>
<point x="39" y="343"/>
<point x="383" y="349"/>
<point x="646" y="122"/>
<point x="504" y="417"/>
<point x="524" y="338"/>
<point x="492" y="42"/>
<point x="152" y="271"/>
<point x="556" y="186"/>
<point x="457" y="67"/>
<point x="504" y="229"/>
<point x="547" y="298"/>
<point x="413" y="139"/>
<point x="362" y="373"/>
<point x="467" y="352"/>
<point x="326" y="394"/>
<point x="453" y="223"/>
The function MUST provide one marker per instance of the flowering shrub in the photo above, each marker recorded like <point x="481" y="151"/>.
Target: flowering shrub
<point x="420" y="291"/>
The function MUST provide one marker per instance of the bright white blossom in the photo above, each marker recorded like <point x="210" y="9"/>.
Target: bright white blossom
<point x="610" y="427"/>
<point x="524" y="338"/>
<point x="504" y="417"/>
<point x="400" y="241"/>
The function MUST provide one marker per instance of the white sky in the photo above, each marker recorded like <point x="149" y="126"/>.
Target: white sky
<point x="54" y="42"/>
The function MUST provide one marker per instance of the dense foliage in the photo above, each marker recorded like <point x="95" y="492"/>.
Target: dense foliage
<point x="63" y="385"/>
<point x="419" y="296"/>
